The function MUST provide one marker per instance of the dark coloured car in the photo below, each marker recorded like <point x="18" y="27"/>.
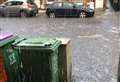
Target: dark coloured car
<point x="21" y="8"/>
<point x="68" y="9"/>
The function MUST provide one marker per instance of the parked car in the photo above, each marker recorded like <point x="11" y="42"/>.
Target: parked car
<point x="21" y="8"/>
<point x="68" y="9"/>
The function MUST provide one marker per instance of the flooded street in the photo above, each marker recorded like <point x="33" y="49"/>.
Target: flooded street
<point x="95" y="41"/>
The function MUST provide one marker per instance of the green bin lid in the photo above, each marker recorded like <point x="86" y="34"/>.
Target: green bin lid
<point x="39" y="43"/>
<point x="6" y="38"/>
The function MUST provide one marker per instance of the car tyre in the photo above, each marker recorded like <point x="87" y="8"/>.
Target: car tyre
<point x="23" y="14"/>
<point x="33" y="15"/>
<point x="92" y="15"/>
<point x="82" y="14"/>
<point x="52" y="15"/>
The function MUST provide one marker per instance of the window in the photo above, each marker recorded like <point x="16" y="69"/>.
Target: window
<point x="8" y="4"/>
<point x="30" y="1"/>
<point x="19" y="3"/>
<point x="12" y="3"/>
<point x="57" y="5"/>
<point x="80" y="1"/>
<point x="50" y="0"/>
<point x="67" y="5"/>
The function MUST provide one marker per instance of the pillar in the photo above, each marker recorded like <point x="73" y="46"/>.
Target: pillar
<point x="104" y="4"/>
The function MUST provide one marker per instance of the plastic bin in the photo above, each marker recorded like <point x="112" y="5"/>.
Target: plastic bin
<point x="39" y="58"/>
<point x="10" y="57"/>
<point x="65" y="63"/>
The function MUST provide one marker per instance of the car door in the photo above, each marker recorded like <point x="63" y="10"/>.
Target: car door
<point x="71" y="9"/>
<point x="67" y="8"/>
<point x="58" y="9"/>
<point x="16" y="7"/>
<point x="7" y="8"/>
<point x="74" y="10"/>
<point x="11" y="8"/>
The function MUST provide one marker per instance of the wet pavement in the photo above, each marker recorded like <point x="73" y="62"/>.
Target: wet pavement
<point x="95" y="41"/>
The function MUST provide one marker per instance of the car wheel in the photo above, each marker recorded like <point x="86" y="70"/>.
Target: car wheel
<point x="33" y="15"/>
<point x="52" y="15"/>
<point x="82" y="15"/>
<point x="23" y="14"/>
<point x="92" y="15"/>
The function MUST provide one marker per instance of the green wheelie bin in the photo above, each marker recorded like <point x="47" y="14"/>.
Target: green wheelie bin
<point x="39" y="58"/>
<point x="10" y="57"/>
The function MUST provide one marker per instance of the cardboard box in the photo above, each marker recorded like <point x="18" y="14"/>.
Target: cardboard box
<point x="65" y="63"/>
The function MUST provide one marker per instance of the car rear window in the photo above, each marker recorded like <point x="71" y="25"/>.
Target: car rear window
<point x="57" y="5"/>
<point x="67" y="5"/>
<point x="79" y="5"/>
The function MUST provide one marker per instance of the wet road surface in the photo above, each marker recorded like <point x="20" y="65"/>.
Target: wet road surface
<point x="95" y="42"/>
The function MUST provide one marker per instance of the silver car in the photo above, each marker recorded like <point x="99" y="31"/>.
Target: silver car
<point x="21" y="8"/>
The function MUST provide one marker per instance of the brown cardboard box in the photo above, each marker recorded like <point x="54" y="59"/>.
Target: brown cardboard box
<point x="65" y="64"/>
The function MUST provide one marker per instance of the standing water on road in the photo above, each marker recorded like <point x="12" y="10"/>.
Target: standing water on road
<point x="95" y="42"/>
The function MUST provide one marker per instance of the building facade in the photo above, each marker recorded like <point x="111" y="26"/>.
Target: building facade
<point x="97" y="3"/>
<point x="1" y="1"/>
<point x="42" y="4"/>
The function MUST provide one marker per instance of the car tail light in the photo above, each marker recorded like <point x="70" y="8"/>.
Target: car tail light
<point x="27" y="6"/>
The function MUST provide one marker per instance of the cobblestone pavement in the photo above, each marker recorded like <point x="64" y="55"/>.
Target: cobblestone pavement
<point x="95" y="42"/>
